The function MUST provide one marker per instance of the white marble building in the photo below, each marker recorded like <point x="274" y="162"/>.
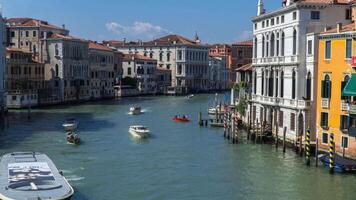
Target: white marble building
<point x="282" y="77"/>
<point x="187" y="59"/>
<point x="2" y="65"/>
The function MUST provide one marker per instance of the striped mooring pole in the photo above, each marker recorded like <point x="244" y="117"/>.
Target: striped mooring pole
<point x="236" y="127"/>
<point x="307" y="147"/>
<point x="229" y="121"/>
<point x="331" y="154"/>
<point x="225" y="122"/>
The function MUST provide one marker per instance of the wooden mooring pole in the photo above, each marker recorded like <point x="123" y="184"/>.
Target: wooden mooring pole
<point x="284" y="139"/>
<point x="277" y="129"/>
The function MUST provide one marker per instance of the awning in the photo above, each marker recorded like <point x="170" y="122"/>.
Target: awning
<point x="350" y="88"/>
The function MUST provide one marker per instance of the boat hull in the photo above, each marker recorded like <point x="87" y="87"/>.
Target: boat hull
<point x="137" y="134"/>
<point x="179" y="120"/>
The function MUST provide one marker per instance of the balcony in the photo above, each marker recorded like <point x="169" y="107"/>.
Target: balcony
<point x="345" y="106"/>
<point x="276" y="60"/>
<point x="352" y="109"/>
<point x="325" y="103"/>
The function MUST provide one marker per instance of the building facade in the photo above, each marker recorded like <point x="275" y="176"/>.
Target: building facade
<point x="188" y="60"/>
<point x="2" y="65"/>
<point x="28" y="34"/>
<point x="143" y="70"/>
<point x="219" y="73"/>
<point x="67" y="68"/>
<point x="25" y="79"/>
<point x="282" y="80"/>
<point x="336" y="94"/>
<point x="102" y="71"/>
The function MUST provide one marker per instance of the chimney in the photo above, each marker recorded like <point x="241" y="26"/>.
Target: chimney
<point x="339" y="27"/>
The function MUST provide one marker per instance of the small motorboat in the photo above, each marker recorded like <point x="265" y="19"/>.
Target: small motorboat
<point x="181" y="119"/>
<point x="73" y="138"/>
<point x="216" y="110"/>
<point x="32" y="175"/>
<point x="70" y="125"/>
<point x="135" y="110"/>
<point x="190" y="96"/>
<point x="341" y="165"/>
<point x="139" y="131"/>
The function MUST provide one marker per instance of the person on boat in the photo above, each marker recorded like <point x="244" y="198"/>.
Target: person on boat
<point x="184" y="117"/>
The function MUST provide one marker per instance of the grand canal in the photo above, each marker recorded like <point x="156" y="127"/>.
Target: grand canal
<point x="180" y="161"/>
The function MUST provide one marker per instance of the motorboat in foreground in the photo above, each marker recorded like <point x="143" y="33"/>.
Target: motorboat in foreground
<point x="139" y="131"/>
<point x="70" y="124"/>
<point x="32" y="175"/>
<point x="135" y="110"/>
<point x="181" y="119"/>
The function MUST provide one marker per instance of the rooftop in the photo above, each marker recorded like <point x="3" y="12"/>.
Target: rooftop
<point x="30" y="22"/>
<point x="244" y="43"/>
<point x="98" y="46"/>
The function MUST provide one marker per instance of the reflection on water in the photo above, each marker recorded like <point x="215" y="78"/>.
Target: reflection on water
<point x="178" y="162"/>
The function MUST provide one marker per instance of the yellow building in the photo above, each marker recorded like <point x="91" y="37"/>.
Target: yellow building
<point x="336" y="91"/>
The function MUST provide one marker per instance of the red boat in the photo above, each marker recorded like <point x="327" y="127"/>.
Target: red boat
<point x="181" y="119"/>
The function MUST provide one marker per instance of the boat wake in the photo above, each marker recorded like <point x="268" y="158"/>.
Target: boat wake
<point x="74" y="178"/>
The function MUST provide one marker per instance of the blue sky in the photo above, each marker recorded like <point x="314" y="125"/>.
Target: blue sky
<point x="216" y="21"/>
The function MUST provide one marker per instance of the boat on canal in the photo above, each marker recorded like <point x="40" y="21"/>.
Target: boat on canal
<point x="181" y="119"/>
<point x="135" y="110"/>
<point x="139" y="131"/>
<point x="32" y="175"/>
<point x="190" y="96"/>
<point x="70" y="124"/>
<point x="73" y="138"/>
<point x="341" y="165"/>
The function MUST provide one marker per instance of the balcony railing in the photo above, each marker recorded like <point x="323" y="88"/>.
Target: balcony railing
<point x="352" y="109"/>
<point x="325" y="103"/>
<point x="345" y="106"/>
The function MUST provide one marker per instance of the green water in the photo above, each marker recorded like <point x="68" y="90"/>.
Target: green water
<point x="179" y="161"/>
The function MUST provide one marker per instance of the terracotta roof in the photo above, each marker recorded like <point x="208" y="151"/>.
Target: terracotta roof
<point x="244" y="43"/>
<point x="97" y="46"/>
<point x="64" y="37"/>
<point x="13" y="49"/>
<point x="245" y="68"/>
<point x="324" y="1"/>
<point x="30" y="22"/>
<point x="344" y="28"/>
<point x="113" y="42"/>
<point x="170" y="39"/>
<point x="128" y="57"/>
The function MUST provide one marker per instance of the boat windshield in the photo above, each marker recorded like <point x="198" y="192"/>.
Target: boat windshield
<point x="142" y="128"/>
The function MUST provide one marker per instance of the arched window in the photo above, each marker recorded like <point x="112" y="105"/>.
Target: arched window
<point x="326" y="87"/>
<point x="267" y="47"/>
<point x="272" y="44"/>
<point x="309" y="85"/>
<point x="282" y="85"/>
<point x="276" y="87"/>
<point x="161" y="57"/>
<point x="263" y="46"/>
<point x="255" y="48"/>
<point x="277" y="45"/>
<point x="56" y="50"/>
<point x="270" y="83"/>
<point x="294" y="42"/>
<point x="255" y="83"/>
<point x="57" y="70"/>
<point x="282" y="44"/>
<point x="263" y="83"/>
<point x="294" y="85"/>
<point x="343" y="85"/>
<point x="168" y="57"/>
<point x="151" y="55"/>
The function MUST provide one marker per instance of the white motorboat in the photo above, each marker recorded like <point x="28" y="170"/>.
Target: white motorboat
<point x="135" y="110"/>
<point x="190" y="96"/>
<point x="216" y="110"/>
<point x="139" y="131"/>
<point x="70" y="125"/>
<point x="32" y="175"/>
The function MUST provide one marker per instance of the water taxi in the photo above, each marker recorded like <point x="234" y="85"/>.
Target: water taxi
<point x="139" y="131"/>
<point x="135" y="110"/>
<point x="70" y="125"/>
<point x="31" y="175"/>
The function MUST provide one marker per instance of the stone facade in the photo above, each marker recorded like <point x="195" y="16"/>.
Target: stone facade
<point x="25" y="79"/>
<point x="67" y="67"/>
<point x="143" y="70"/>
<point x="280" y="69"/>
<point x="102" y="73"/>
<point x="219" y="73"/>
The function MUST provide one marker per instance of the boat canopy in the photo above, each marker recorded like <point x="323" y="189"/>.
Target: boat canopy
<point x="350" y="88"/>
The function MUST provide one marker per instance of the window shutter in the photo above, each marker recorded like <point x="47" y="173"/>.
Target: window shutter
<point x="329" y="89"/>
<point x="323" y="89"/>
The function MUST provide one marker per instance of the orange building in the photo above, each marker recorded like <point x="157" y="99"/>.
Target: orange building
<point x="335" y="98"/>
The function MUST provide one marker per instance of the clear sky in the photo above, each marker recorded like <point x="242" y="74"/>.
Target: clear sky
<point x="216" y="21"/>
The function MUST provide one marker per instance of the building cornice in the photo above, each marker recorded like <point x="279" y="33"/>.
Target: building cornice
<point x="351" y="34"/>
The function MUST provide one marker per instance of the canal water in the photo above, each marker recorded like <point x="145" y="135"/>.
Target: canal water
<point x="179" y="161"/>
